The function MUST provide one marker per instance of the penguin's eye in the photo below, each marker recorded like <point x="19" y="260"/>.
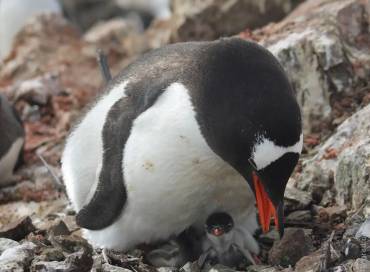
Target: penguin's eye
<point x="253" y="164"/>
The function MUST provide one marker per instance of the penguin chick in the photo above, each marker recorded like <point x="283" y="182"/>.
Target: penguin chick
<point x="186" y="130"/>
<point x="225" y="243"/>
<point x="11" y="141"/>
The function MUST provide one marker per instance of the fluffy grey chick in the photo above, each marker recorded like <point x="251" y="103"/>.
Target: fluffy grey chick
<point x="224" y="242"/>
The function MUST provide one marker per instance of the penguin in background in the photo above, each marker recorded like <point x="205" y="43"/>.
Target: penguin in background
<point x="186" y="130"/>
<point x="11" y="141"/>
<point x="14" y="14"/>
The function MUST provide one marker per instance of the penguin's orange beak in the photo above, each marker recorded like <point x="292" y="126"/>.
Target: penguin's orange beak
<point x="266" y="209"/>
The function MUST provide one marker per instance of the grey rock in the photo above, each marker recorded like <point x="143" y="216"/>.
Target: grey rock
<point x="111" y="268"/>
<point x="332" y="215"/>
<point x="364" y="230"/>
<point x="296" y="199"/>
<point x="292" y="247"/>
<point x="361" y="265"/>
<point x="70" y="243"/>
<point x="17" y="258"/>
<point x="211" y="19"/>
<point x="220" y="268"/>
<point x="167" y="269"/>
<point x="49" y="266"/>
<point x="80" y="261"/>
<point x="112" y="30"/>
<point x="352" y="180"/>
<point x="353" y="225"/>
<point x="85" y="13"/>
<point x="7" y="243"/>
<point x="311" y="263"/>
<point x="346" y="173"/>
<point x="98" y="261"/>
<point x="59" y="228"/>
<point x="51" y="254"/>
<point x="312" y="46"/>
<point x="191" y="267"/>
<point x="315" y="179"/>
<point x="262" y="268"/>
<point x="299" y="216"/>
<point x="344" y="267"/>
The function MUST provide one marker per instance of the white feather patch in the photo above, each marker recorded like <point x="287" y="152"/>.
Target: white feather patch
<point x="266" y="151"/>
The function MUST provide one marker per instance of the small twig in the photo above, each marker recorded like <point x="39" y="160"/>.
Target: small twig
<point x="58" y="183"/>
<point x="103" y="65"/>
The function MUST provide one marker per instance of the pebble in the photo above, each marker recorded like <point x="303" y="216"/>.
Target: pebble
<point x="17" y="258"/>
<point x="292" y="247"/>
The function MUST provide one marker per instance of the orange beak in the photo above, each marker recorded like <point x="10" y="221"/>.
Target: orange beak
<point x="266" y="209"/>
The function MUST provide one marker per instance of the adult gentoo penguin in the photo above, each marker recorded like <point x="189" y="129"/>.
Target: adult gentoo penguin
<point x="180" y="134"/>
<point x="11" y="141"/>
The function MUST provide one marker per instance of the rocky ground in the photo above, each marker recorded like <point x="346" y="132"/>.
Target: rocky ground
<point x="324" y="46"/>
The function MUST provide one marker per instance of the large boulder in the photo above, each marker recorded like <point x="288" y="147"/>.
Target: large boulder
<point x="342" y="164"/>
<point x="324" y="46"/>
<point x="211" y="19"/>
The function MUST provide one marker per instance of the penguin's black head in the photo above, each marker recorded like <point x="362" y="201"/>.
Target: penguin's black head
<point x="219" y="223"/>
<point x="249" y="116"/>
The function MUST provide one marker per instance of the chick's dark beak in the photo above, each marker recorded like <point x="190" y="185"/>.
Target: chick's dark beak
<point x="266" y="208"/>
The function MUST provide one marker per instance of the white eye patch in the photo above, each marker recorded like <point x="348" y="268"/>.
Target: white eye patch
<point x="266" y="151"/>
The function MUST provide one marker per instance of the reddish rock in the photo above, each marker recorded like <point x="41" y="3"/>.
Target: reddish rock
<point x="292" y="247"/>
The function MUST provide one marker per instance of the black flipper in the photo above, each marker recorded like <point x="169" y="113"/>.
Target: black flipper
<point x="110" y="196"/>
